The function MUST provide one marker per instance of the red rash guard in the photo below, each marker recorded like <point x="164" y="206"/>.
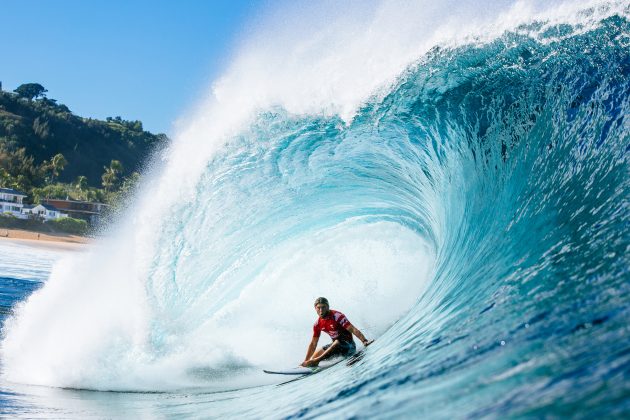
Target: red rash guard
<point x="334" y="324"/>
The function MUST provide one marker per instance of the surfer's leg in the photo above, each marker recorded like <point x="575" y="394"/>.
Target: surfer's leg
<point x="347" y="348"/>
<point x="324" y="353"/>
<point x="330" y="350"/>
<point x="319" y="352"/>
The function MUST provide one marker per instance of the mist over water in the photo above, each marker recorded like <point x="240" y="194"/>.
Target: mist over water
<point x="452" y="177"/>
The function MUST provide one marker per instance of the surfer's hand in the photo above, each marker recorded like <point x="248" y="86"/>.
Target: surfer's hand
<point x="367" y="342"/>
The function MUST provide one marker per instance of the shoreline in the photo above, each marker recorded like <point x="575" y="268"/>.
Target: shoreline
<point x="56" y="240"/>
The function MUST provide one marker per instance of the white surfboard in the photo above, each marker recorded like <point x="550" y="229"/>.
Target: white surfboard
<point x="300" y="370"/>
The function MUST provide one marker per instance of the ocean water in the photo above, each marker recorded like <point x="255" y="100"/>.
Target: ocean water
<point x="464" y="200"/>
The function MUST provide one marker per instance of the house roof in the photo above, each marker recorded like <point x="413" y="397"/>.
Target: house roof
<point x="58" y="200"/>
<point x="49" y="207"/>
<point x="12" y="191"/>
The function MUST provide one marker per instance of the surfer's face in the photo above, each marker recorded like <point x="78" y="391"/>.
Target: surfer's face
<point x="321" y="309"/>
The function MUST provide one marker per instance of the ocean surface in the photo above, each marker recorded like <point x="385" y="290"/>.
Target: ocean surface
<point x="470" y="213"/>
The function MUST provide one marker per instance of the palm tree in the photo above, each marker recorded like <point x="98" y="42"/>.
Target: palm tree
<point x="110" y="176"/>
<point x="57" y="164"/>
<point x="82" y="185"/>
<point x="116" y="166"/>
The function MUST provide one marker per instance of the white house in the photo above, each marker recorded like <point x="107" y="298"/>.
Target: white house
<point x="45" y="211"/>
<point x="11" y="202"/>
<point x="88" y="211"/>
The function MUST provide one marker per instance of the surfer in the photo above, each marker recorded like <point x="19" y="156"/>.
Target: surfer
<point x="337" y="326"/>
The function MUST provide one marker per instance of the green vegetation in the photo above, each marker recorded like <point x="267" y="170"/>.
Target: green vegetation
<point x="65" y="225"/>
<point x="70" y="225"/>
<point x="30" y="91"/>
<point x="8" y="221"/>
<point x="48" y="152"/>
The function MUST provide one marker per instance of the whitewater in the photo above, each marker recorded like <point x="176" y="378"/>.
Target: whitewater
<point x="453" y="177"/>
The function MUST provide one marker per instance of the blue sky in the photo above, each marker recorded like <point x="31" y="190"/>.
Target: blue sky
<point x="138" y="59"/>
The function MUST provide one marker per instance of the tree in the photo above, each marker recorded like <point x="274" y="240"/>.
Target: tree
<point x="116" y="166"/>
<point x="49" y="102"/>
<point x="41" y="127"/>
<point x="129" y="184"/>
<point x="57" y="164"/>
<point x="5" y="178"/>
<point x="30" y="91"/>
<point x="19" y="167"/>
<point x="110" y="176"/>
<point x="81" y="185"/>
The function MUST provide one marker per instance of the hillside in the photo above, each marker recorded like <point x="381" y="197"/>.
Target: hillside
<point x="34" y="129"/>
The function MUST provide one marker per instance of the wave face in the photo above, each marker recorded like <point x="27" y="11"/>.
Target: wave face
<point x="472" y="217"/>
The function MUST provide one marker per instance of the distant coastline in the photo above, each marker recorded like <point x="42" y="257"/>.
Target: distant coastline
<point x="57" y="240"/>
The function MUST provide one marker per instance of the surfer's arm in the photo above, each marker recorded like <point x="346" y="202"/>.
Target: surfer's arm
<point x="358" y="334"/>
<point x="311" y="348"/>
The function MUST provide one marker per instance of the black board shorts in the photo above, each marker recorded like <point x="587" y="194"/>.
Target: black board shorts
<point x="345" y="348"/>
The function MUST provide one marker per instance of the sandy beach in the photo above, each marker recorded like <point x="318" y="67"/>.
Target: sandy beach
<point x="44" y="239"/>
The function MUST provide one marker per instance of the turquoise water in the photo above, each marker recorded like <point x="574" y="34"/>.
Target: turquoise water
<point x="473" y="220"/>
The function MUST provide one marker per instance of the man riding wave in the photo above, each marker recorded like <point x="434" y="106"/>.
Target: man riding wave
<point x="340" y="330"/>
